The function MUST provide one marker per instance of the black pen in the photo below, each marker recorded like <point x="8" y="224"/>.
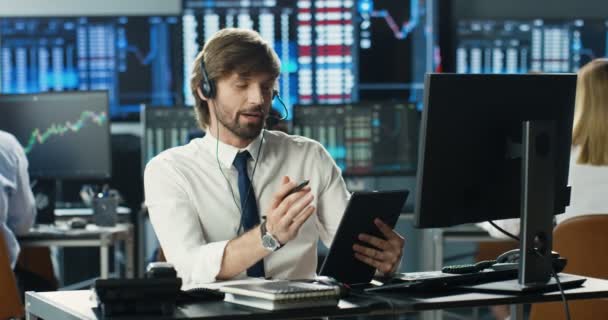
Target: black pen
<point x="297" y="188"/>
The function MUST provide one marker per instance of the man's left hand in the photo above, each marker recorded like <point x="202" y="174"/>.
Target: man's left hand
<point x="381" y="254"/>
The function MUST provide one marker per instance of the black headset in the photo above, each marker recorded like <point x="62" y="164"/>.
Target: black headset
<point x="207" y="85"/>
<point x="208" y="89"/>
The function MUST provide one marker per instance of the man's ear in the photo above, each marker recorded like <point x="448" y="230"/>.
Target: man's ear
<point x="201" y="95"/>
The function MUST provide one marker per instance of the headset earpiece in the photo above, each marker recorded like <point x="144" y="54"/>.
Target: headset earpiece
<point x="275" y="93"/>
<point x="207" y="85"/>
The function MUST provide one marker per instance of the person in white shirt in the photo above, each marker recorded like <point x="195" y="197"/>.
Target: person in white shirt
<point x="220" y="204"/>
<point x="17" y="210"/>
<point x="17" y="205"/>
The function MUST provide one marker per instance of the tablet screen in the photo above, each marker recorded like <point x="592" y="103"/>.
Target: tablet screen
<point x="362" y="209"/>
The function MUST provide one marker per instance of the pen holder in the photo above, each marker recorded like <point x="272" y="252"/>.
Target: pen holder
<point x="104" y="211"/>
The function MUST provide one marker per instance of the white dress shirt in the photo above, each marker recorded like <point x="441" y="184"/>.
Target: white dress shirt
<point x="195" y="208"/>
<point x="589" y="189"/>
<point x="17" y="206"/>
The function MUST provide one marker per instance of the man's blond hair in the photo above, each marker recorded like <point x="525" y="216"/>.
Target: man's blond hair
<point x="229" y="51"/>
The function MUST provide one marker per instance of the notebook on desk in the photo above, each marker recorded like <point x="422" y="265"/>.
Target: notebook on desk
<point x="277" y="295"/>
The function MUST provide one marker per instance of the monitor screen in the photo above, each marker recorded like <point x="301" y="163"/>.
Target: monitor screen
<point x="470" y="160"/>
<point x="165" y="128"/>
<point x="65" y="135"/>
<point x="535" y="45"/>
<point x="367" y="138"/>
<point x="520" y="36"/>
<point x="387" y="38"/>
<point x="133" y="58"/>
<point x="314" y="40"/>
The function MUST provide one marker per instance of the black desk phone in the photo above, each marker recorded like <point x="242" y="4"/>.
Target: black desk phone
<point x="156" y="294"/>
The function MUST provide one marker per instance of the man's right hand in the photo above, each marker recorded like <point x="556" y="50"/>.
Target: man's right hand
<point x="289" y="212"/>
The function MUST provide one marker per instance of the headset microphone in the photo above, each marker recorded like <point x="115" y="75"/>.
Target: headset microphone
<point x="275" y="93"/>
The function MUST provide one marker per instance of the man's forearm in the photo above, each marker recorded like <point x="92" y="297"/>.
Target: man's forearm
<point x="241" y="253"/>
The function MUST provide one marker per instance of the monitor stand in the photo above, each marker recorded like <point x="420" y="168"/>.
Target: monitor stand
<point x="567" y="281"/>
<point x="538" y="206"/>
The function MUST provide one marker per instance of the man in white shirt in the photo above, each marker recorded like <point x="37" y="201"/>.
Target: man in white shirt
<point x="220" y="205"/>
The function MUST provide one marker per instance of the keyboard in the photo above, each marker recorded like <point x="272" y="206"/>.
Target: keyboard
<point x="437" y="280"/>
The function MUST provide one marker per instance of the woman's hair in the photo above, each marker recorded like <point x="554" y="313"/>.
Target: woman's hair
<point x="590" y="132"/>
<point x="231" y="50"/>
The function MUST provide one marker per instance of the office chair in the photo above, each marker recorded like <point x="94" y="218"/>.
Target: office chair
<point x="37" y="261"/>
<point x="10" y="301"/>
<point x="583" y="240"/>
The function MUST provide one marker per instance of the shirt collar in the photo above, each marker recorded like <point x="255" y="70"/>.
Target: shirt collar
<point x="226" y="153"/>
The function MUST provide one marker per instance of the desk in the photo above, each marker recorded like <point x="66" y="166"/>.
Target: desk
<point x="80" y="304"/>
<point x="86" y="212"/>
<point x="92" y="236"/>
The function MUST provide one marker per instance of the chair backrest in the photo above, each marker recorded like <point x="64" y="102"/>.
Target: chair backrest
<point x="583" y="240"/>
<point x="37" y="260"/>
<point x="10" y="300"/>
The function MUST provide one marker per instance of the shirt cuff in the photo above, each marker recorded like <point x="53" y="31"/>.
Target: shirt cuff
<point x="208" y="263"/>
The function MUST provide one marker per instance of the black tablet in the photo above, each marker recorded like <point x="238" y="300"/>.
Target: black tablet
<point x="362" y="209"/>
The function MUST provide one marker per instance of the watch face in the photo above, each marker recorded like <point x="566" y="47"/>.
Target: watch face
<point x="269" y="242"/>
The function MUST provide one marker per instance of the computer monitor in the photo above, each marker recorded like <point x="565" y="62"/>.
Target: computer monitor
<point x="362" y="137"/>
<point x="316" y="42"/>
<point x="520" y="36"/>
<point x="164" y="128"/>
<point x="495" y="147"/>
<point x="65" y="135"/>
<point x="134" y="58"/>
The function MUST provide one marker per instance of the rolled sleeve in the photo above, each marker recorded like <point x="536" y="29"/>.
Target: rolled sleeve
<point x="333" y="198"/>
<point x="178" y="227"/>
<point x="209" y="258"/>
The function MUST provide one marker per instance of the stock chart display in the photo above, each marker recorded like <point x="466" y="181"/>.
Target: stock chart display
<point x="314" y="40"/>
<point x="528" y="45"/>
<point x="130" y="57"/>
<point x="64" y="135"/>
<point x="366" y="138"/>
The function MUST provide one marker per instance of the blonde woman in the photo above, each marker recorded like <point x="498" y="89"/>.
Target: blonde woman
<point x="589" y="157"/>
<point x="588" y="175"/>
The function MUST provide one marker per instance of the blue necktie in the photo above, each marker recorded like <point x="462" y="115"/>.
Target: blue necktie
<point x="249" y="209"/>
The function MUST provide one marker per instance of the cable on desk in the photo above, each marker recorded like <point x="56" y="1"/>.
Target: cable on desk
<point x="561" y="290"/>
<point x="508" y="234"/>
<point x="553" y="273"/>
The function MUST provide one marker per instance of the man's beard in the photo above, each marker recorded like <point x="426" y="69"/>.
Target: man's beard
<point x="247" y="131"/>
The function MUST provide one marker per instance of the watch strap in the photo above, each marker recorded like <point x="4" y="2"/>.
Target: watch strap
<point x="264" y="231"/>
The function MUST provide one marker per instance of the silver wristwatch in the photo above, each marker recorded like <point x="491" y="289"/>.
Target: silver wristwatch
<point x="268" y="240"/>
